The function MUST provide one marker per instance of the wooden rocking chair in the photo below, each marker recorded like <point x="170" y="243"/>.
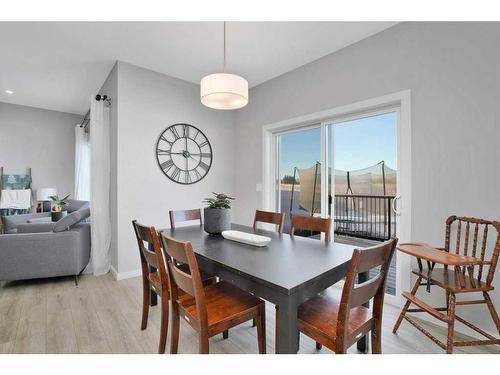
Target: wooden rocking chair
<point x="461" y="280"/>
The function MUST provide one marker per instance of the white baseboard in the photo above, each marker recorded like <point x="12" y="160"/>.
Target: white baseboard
<point x="124" y="275"/>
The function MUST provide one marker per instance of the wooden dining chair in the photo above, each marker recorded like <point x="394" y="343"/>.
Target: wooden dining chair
<point x="184" y="215"/>
<point x="272" y="218"/>
<point x="305" y="223"/>
<point x="315" y="224"/>
<point x="209" y="310"/>
<point x="340" y="324"/>
<point x="461" y="280"/>
<point x="269" y="217"/>
<point x="147" y="238"/>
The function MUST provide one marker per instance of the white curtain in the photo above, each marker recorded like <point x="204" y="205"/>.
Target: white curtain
<point x="82" y="164"/>
<point x="99" y="187"/>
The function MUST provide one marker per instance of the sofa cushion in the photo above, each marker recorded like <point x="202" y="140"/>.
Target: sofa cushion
<point x="35" y="227"/>
<point x="45" y="219"/>
<point x="11" y="222"/>
<point x="68" y="221"/>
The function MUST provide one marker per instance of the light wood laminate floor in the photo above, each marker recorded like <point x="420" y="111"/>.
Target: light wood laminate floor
<point x="102" y="315"/>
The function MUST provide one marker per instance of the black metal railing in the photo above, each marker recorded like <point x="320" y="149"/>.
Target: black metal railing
<point x="365" y="216"/>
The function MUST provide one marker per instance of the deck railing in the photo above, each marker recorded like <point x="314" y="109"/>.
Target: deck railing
<point x="365" y="216"/>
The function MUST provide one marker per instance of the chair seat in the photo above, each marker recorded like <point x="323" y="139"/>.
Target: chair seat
<point x="224" y="302"/>
<point x="448" y="280"/>
<point x="318" y="316"/>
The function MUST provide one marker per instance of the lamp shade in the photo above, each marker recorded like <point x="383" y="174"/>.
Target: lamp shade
<point x="43" y="194"/>
<point x="224" y="91"/>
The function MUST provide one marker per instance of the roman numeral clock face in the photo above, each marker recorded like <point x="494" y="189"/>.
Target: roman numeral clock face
<point x="184" y="154"/>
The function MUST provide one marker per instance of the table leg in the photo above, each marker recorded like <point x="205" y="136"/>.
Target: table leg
<point x="153" y="297"/>
<point x="362" y="343"/>
<point x="287" y="330"/>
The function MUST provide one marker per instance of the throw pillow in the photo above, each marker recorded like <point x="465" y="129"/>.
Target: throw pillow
<point x="68" y="221"/>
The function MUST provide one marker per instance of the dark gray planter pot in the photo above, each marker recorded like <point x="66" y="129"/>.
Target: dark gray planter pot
<point x="216" y="220"/>
<point x="56" y="216"/>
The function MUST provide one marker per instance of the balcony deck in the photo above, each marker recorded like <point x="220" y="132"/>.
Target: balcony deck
<point x="361" y="243"/>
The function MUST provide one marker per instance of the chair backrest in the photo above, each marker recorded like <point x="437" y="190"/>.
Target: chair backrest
<point x="147" y="239"/>
<point x="180" y="252"/>
<point x="363" y="260"/>
<point x="184" y="215"/>
<point x="269" y="217"/>
<point x="477" y="245"/>
<point x="315" y="224"/>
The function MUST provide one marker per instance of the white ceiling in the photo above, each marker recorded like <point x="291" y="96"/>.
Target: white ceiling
<point x="59" y="65"/>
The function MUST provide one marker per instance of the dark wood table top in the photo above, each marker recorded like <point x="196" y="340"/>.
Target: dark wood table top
<point x="425" y="252"/>
<point x="286" y="263"/>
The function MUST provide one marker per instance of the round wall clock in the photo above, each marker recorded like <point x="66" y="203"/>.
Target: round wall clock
<point x="184" y="153"/>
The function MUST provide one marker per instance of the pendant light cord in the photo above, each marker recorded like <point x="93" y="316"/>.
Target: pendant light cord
<point x="224" y="68"/>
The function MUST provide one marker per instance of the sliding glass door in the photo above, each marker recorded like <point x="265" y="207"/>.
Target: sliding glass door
<point x="344" y="169"/>
<point x="299" y="174"/>
<point x="362" y="156"/>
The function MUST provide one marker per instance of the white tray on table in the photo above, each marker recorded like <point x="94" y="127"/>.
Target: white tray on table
<point x="246" y="238"/>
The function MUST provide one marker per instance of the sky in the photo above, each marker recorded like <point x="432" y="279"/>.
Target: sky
<point x="359" y="144"/>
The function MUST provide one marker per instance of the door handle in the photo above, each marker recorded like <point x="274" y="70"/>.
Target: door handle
<point x="394" y="209"/>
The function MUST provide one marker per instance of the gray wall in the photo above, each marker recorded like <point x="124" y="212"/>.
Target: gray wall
<point x="149" y="102"/>
<point x="453" y="72"/>
<point x="110" y="88"/>
<point x="41" y="139"/>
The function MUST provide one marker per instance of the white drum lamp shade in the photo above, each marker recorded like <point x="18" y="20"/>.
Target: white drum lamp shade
<point x="44" y="194"/>
<point x="224" y="91"/>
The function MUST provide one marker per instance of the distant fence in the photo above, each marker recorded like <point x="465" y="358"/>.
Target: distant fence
<point x="365" y="216"/>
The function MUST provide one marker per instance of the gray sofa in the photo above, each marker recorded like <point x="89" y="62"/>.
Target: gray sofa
<point x="34" y="247"/>
<point x="11" y="223"/>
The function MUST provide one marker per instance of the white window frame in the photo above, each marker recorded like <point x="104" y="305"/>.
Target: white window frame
<point x="399" y="101"/>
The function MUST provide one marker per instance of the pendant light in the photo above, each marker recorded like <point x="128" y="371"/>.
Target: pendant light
<point x="223" y="90"/>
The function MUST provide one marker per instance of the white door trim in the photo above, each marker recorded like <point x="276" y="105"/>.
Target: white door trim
<point x="402" y="99"/>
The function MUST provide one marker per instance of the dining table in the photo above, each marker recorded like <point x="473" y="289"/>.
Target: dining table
<point x="286" y="272"/>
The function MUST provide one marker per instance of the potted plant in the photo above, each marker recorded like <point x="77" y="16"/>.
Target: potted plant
<point x="217" y="214"/>
<point x="58" y="205"/>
